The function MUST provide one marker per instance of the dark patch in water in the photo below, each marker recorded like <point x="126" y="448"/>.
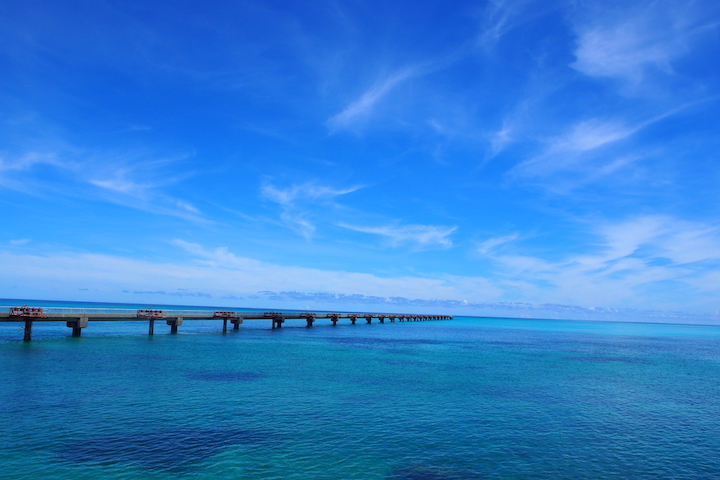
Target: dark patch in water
<point x="429" y="473"/>
<point x="407" y="363"/>
<point x="172" y="450"/>
<point x="226" y="376"/>
<point x="606" y="359"/>
<point x="384" y="342"/>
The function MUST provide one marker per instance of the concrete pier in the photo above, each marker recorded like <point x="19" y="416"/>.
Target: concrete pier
<point x="79" y="319"/>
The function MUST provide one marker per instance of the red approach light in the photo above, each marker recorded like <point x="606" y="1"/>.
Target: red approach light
<point x="27" y="312"/>
<point x="223" y="314"/>
<point x="150" y="313"/>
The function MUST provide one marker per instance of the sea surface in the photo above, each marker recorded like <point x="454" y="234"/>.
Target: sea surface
<point x="469" y="398"/>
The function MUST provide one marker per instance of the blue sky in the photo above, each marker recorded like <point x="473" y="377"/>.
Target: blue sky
<point x="509" y="157"/>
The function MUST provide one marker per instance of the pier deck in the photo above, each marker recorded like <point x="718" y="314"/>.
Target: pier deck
<point x="78" y="319"/>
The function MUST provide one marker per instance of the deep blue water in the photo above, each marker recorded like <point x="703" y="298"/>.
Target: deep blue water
<point x="468" y="398"/>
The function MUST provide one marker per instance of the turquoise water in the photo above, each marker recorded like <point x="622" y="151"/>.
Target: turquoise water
<point x="468" y="398"/>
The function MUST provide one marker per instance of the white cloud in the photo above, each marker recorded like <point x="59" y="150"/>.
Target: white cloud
<point x="634" y="42"/>
<point x="310" y="191"/>
<point x="591" y="134"/>
<point x="632" y="264"/>
<point x="492" y="244"/>
<point x="299" y="202"/>
<point x="499" y="18"/>
<point x="217" y="272"/>
<point x="363" y="106"/>
<point x="653" y="262"/>
<point x="569" y="151"/>
<point x="19" y="241"/>
<point x="119" y="183"/>
<point x="501" y="138"/>
<point x="588" y="150"/>
<point x="188" y="206"/>
<point x="625" y="50"/>
<point x="131" y="179"/>
<point x="15" y="171"/>
<point x="422" y="236"/>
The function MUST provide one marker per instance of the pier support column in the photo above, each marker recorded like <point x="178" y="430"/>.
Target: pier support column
<point x="334" y="320"/>
<point x="224" y="325"/>
<point x="310" y="321"/>
<point x="77" y="325"/>
<point x="151" y="327"/>
<point x="28" y="331"/>
<point x="382" y="319"/>
<point x="368" y="319"/>
<point x="278" y="321"/>
<point x="236" y="323"/>
<point x="353" y="320"/>
<point x="174" y="324"/>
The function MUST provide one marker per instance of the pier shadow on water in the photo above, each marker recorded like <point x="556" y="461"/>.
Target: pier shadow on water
<point x="169" y="450"/>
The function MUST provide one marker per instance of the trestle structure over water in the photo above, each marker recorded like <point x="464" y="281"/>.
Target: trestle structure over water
<point x="78" y="319"/>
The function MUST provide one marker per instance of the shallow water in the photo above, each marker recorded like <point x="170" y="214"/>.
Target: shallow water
<point x="461" y="399"/>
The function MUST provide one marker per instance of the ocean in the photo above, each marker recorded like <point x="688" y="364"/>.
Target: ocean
<point x="468" y="398"/>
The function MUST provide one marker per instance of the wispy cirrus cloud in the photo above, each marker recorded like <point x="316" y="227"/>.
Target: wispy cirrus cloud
<point x="119" y="182"/>
<point x="491" y="245"/>
<point x="17" y="242"/>
<point x="573" y="150"/>
<point x="648" y="259"/>
<point x="499" y="18"/>
<point x="16" y="170"/>
<point x="419" y="236"/>
<point x="363" y="107"/>
<point x="300" y="201"/>
<point x="132" y="179"/>
<point x="636" y="42"/>
<point x="589" y="150"/>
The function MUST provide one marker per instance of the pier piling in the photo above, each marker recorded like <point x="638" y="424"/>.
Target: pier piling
<point x="277" y="321"/>
<point x="28" y="331"/>
<point x="77" y="325"/>
<point x="174" y="324"/>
